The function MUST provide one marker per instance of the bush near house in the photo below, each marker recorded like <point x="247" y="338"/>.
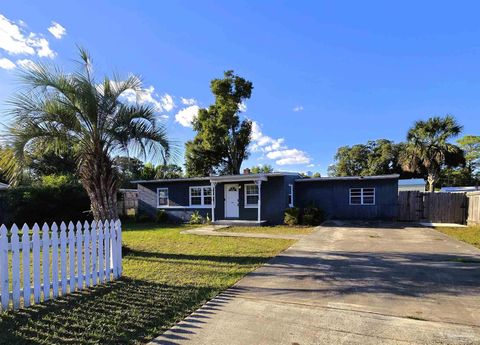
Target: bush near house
<point x="292" y="216"/>
<point x="306" y="216"/>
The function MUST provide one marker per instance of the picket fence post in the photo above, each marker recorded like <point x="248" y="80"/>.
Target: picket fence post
<point x="36" y="263"/>
<point x="4" y="288"/>
<point x="27" y="292"/>
<point x="94" y="256"/>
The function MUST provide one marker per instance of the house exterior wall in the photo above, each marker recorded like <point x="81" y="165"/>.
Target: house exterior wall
<point x="274" y="194"/>
<point x="333" y="196"/>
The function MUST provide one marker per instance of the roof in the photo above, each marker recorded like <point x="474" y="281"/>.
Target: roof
<point x="349" y="178"/>
<point x="460" y="189"/>
<point x="223" y="178"/>
<point x="412" y="182"/>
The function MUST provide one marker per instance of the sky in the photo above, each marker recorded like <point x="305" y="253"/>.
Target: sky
<point x="325" y="74"/>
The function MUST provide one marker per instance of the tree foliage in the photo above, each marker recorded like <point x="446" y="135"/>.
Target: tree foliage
<point x="222" y="139"/>
<point x="261" y="169"/>
<point x="428" y="147"/>
<point x="58" y="110"/>
<point x="377" y="157"/>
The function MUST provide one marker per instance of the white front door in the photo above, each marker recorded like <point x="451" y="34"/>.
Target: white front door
<point x="231" y="201"/>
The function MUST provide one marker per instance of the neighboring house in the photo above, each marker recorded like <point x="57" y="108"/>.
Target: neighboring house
<point x="412" y="184"/>
<point x="460" y="189"/>
<point x="263" y="198"/>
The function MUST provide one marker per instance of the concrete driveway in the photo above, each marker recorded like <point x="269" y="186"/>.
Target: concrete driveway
<point x="349" y="284"/>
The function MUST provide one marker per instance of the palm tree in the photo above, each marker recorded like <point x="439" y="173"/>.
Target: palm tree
<point x="428" y="150"/>
<point x="59" y="110"/>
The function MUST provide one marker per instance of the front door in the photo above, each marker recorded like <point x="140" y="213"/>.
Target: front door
<point x="231" y="201"/>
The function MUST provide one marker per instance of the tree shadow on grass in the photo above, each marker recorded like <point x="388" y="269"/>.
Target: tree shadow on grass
<point x="146" y="255"/>
<point x="126" y="311"/>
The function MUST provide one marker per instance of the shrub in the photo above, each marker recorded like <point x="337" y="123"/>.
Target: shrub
<point x="162" y="216"/>
<point x="143" y="218"/>
<point x="45" y="203"/>
<point x="312" y="216"/>
<point x="196" y="218"/>
<point x="292" y="216"/>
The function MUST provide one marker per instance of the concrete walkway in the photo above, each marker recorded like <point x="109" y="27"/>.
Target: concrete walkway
<point x="212" y="230"/>
<point x="349" y="284"/>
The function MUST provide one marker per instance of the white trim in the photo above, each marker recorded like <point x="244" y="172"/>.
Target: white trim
<point x="362" y="196"/>
<point x="245" y="204"/>
<point x="168" y="198"/>
<point x="290" y="193"/>
<point x="202" y="197"/>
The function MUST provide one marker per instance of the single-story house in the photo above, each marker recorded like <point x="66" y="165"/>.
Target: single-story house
<point x="263" y="198"/>
<point x="411" y="184"/>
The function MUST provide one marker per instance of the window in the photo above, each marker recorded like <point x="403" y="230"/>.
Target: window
<point x="162" y="197"/>
<point x="362" y="196"/>
<point x="251" y="195"/>
<point x="290" y="195"/>
<point x="201" y="196"/>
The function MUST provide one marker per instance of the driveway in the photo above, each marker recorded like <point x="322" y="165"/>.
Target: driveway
<point x="349" y="283"/>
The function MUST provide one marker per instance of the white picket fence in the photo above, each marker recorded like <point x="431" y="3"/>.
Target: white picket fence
<point x="62" y="262"/>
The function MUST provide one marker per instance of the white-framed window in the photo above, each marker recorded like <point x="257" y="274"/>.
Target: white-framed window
<point x="251" y="195"/>
<point x="362" y="196"/>
<point x="290" y="195"/>
<point x="201" y="196"/>
<point x="162" y="197"/>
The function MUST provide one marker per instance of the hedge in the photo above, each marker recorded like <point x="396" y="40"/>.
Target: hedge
<point x="44" y="204"/>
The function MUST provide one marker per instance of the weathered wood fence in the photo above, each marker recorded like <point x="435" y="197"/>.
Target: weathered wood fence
<point x="473" y="208"/>
<point x="51" y="263"/>
<point x="434" y="207"/>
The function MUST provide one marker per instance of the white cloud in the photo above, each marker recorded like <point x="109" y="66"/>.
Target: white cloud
<point x="242" y="107"/>
<point x="186" y="115"/>
<point x="57" y="30"/>
<point x="289" y="156"/>
<point x="15" y="40"/>
<point x="167" y="102"/>
<point x="263" y="142"/>
<point x="6" y="63"/>
<point x="148" y="96"/>
<point x="298" y="108"/>
<point x="188" y="101"/>
<point x="276" y="149"/>
<point x="26" y="63"/>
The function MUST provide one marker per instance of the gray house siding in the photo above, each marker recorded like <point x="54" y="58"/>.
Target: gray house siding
<point x="333" y="196"/>
<point x="178" y="194"/>
<point x="274" y="200"/>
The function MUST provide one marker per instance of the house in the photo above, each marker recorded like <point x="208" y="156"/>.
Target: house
<point x="460" y="189"/>
<point x="262" y="198"/>
<point x="412" y="184"/>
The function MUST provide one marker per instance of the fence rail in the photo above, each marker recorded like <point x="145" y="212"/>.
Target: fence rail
<point x="56" y="260"/>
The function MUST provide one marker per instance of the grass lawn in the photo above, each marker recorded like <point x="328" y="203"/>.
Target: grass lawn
<point x="279" y="230"/>
<point x="469" y="234"/>
<point x="166" y="276"/>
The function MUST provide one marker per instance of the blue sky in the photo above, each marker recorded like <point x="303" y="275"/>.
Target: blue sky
<point x="325" y="74"/>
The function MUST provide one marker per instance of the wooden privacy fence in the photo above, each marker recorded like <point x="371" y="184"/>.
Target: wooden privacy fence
<point x="51" y="263"/>
<point x="473" y="208"/>
<point x="435" y="207"/>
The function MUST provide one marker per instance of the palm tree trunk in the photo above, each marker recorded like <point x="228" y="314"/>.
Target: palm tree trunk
<point x="431" y="179"/>
<point x="99" y="179"/>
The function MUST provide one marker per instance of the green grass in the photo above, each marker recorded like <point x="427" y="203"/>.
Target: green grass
<point x="278" y="230"/>
<point x="469" y="234"/>
<point x="166" y="276"/>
